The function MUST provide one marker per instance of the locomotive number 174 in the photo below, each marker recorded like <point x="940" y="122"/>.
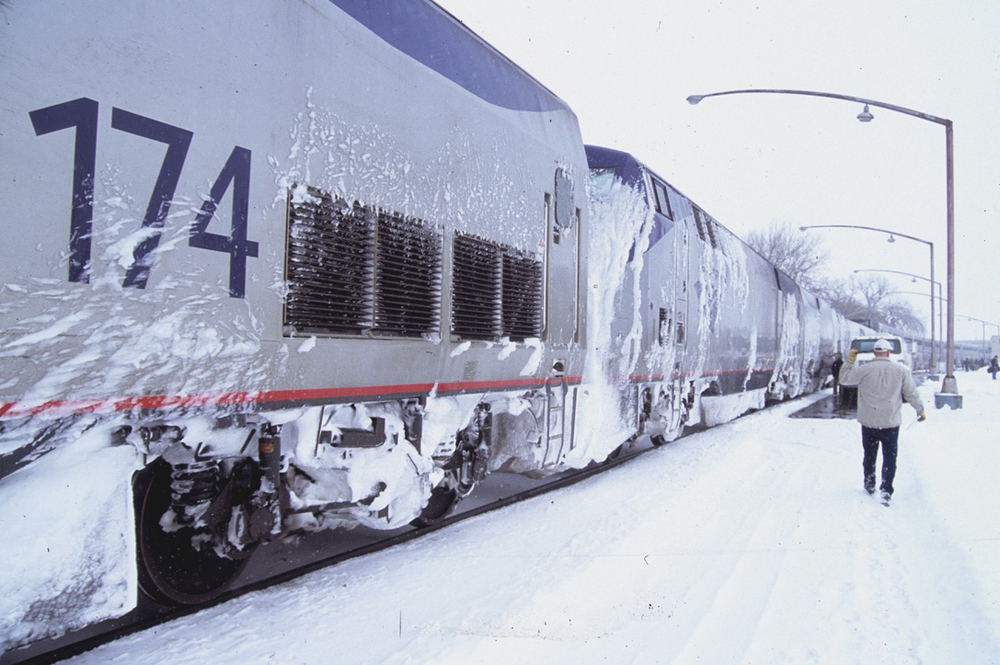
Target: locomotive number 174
<point x="82" y="114"/>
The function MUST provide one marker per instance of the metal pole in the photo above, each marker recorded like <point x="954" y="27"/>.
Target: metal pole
<point x="950" y="385"/>
<point x="933" y="341"/>
<point x="694" y="99"/>
<point x="940" y="314"/>
<point x="949" y="388"/>
<point x="866" y="228"/>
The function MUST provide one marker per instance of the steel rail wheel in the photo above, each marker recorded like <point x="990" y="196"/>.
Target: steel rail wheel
<point x="171" y="570"/>
<point x="442" y="503"/>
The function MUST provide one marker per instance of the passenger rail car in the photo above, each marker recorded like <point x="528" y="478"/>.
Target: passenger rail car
<point x="302" y="268"/>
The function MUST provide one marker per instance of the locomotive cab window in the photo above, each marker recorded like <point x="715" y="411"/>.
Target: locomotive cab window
<point x="565" y="213"/>
<point x="662" y="200"/>
<point x="601" y="179"/>
<point x="676" y="202"/>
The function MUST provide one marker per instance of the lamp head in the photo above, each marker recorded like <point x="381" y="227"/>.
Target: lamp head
<point x="892" y="238"/>
<point x="694" y="99"/>
<point x="866" y="116"/>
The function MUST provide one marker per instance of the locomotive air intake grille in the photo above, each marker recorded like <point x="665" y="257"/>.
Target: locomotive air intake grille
<point x="407" y="277"/>
<point x="522" y="296"/>
<point x="355" y="270"/>
<point x="496" y="291"/>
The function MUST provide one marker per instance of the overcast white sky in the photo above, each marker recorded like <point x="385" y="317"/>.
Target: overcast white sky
<point x="626" y="68"/>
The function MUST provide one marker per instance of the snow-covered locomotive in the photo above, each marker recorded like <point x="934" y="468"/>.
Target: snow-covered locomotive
<point x="707" y="328"/>
<point x="307" y="264"/>
<point x="333" y="275"/>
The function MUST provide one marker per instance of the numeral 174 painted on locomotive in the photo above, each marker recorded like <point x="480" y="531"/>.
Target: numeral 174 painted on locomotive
<point x="82" y="114"/>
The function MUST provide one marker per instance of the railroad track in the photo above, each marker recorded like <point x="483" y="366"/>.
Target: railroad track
<point x="149" y="614"/>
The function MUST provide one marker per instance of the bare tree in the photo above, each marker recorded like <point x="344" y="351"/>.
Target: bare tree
<point x="798" y="255"/>
<point x="873" y="289"/>
<point x="900" y="316"/>
<point x="864" y="299"/>
<point x="871" y="302"/>
<point x="840" y="294"/>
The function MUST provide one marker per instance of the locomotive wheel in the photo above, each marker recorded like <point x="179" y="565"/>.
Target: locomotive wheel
<point x="617" y="452"/>
<point x="442" y="503"/>
<point x="444" y="497"/>
<point x="171" y="571"/>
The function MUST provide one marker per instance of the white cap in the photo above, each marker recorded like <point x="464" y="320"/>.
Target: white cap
<point x="883" y="345"/>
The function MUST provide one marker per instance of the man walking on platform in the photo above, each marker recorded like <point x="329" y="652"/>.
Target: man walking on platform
<point x="882" y="387"/>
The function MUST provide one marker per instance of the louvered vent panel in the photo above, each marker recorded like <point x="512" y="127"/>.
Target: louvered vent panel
<point x="330" y="266"/>
<point x="353" y="270"/>
<point x="476" y="288"/>
<point x="522" y="296"/>
<point x="407" y="277"/>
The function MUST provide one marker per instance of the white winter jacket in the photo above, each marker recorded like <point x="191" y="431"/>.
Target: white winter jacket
<point x="882" y="387"/>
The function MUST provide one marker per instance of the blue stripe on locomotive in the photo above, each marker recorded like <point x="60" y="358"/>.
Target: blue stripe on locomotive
<point x="432" y="37"/>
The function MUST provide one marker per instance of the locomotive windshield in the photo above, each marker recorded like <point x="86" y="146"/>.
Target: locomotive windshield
<point x="601" y="179"/>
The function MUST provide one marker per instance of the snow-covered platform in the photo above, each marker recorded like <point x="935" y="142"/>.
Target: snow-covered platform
<point x="752" y="542"/>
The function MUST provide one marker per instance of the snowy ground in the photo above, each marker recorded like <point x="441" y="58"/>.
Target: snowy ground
<point x="750" y="543"/>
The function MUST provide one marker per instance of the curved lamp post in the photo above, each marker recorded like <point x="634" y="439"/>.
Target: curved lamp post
<point x="913" y="293"/>
<point x="985" y="323"/>
<point x="961" y="316"/>
<point x="892" y="238"/>
<point x="933" y="283"/>
<point x="949" y="389"/>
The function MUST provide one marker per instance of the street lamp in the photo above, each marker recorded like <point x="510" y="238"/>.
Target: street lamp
<point x="892" y="238"/>
<point x="985" y="323"/>
<point x="915" y="278"/>
<point x="961" y="316"/>
<point x="949" y="389"/>
<point x="913" y="293"/>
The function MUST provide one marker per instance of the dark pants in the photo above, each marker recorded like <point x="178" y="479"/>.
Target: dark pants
<point x="888" y="437"/>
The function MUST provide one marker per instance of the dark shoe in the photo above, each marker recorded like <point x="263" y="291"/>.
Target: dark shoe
<point x="870" y="488"/>
<point x="885" y="498"/>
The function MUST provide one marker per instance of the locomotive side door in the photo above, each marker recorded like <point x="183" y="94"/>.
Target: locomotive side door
<point x="682" y="279"/>
<point x="562" y="309"/>
<point x="562" y="287"/>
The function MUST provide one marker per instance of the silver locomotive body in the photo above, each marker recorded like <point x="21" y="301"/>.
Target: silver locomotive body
<point x="313" y="269"/>
<point x="707" y="328"/>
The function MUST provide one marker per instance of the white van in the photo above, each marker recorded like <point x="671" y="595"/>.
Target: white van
<point x="866" y="349"/>
<point x="866" y="353"/>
